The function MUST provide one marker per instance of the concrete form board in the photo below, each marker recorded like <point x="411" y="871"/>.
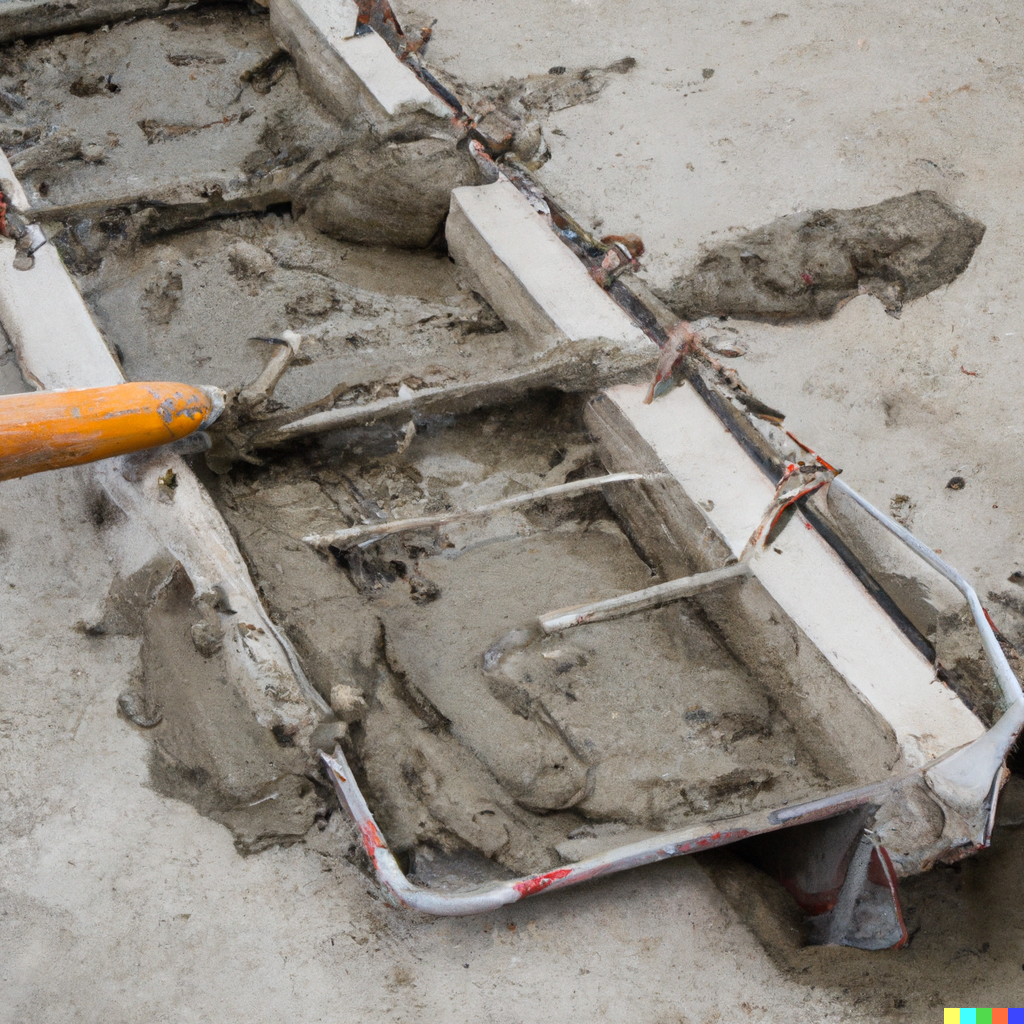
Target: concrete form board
<point x="804" y="575"/>
<point x="42" y="313"/>
<point x="527" y="274"/>
<point x="333" y="61"/>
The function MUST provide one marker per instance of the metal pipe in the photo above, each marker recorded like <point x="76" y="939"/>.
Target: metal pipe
<point x="639" y="600"/>
<point x="353" y="535"/>
<point x="481" y="899"/>
<point x="1004" y="674"/>
<point x="967" y="780"/>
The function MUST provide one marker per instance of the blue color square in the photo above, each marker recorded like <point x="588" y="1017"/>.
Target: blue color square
<point x="1015" y="1015"/>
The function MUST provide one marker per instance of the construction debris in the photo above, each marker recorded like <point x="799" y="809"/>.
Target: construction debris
<point x="810" y="264"/>
<point x="757" y="684"/>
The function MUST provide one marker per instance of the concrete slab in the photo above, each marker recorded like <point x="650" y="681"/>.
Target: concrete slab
<point x="811" y="107"/>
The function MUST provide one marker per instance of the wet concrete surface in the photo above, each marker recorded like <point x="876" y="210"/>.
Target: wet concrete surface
<point x="175" y="916"/>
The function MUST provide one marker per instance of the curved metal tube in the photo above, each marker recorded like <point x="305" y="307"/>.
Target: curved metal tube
<point x="1008" y="682"/>
<point x="647" y="851"/>
<point x="967" y="780"/>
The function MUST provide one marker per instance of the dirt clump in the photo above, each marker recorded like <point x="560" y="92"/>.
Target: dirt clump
<point x="227" y="128"/>
<point x="809" y="264"/>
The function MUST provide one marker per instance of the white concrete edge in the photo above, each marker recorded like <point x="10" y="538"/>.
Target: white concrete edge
<point x="528" y="274"/>
<point x="802" y="572"/>
<point x="392" y="84"/>
<point x="325" y="31"/>
<point x="58" y="345"/>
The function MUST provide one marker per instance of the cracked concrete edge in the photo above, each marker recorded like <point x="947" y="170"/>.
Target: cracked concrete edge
<point x="59" y="346"/>
<point x="349" y="74"/>
<point x="528" y="276"/>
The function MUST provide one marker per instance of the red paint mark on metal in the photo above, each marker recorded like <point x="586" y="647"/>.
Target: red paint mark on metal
<point x="882" y="873"/>
<point x="813" y="904"/>
<point x="532" y="886"/>
<point x="372" y="839"/>
<point x="802" y="493"/>
<point x="811" y="451"/>
<point x="715" y="839"/>
<point x="807" y="278"/>
<point x="970" y="373"/>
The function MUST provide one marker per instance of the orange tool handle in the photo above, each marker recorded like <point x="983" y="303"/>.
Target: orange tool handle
<point x="51" y="429"/>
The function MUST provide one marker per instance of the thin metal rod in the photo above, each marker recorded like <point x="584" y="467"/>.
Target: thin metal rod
<point x="1004" y="674"/>
<point x="703" y="836"/>
<point x="639" y="600"/>
<point x="353" y="535"/>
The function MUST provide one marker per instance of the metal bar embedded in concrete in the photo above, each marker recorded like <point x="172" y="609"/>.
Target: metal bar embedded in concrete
<point x="353" y="535"/>
<point x="640" y="600"/>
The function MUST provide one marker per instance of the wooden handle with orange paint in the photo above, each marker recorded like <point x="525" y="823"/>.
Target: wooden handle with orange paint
<point x="50" y="429"/>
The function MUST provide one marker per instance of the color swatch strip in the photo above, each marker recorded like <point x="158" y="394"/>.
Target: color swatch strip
<point x="1006" y="1015"/>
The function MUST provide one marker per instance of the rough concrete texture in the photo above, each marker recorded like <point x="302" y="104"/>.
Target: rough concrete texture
<point x="731" y="120"/>
<point x="160" y="123"/>
<point x="148" y="909"/>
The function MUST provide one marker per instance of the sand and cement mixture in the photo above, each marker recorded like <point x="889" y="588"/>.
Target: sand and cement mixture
<point x="202" y="199"/>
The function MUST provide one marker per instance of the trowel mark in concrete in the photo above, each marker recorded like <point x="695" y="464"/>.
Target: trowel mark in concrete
<point x="809" y="264"/>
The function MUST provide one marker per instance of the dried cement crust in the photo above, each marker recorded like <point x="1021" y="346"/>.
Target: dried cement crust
<point x="808" y="264"/>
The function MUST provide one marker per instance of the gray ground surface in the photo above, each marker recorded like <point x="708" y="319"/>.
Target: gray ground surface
<point x="118" y="904"/>
<point x="122" y="904"/>
<point x="814" y="108"/>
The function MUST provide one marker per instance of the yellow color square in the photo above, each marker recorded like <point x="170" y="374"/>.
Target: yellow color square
<point x="951" y="1016"/>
